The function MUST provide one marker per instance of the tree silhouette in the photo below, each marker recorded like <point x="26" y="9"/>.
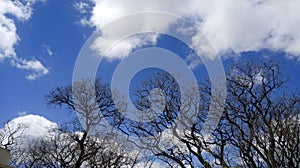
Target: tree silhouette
<point x="259" y="126"/>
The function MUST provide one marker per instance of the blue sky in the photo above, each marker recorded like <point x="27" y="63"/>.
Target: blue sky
<point x="55" y="30"/>
<point x="53" y="24"/>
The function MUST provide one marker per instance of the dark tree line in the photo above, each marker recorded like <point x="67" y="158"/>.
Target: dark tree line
<point x="259" y="126"/>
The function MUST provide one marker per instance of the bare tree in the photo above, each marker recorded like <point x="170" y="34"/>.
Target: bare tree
<point x="63" y="149"/>
<point x="259" y="126"/>
<point x="10" y="134"/>
<point x="263" y="116"/>
<point x="72" y="145"/>
<point x="193" y="148"/>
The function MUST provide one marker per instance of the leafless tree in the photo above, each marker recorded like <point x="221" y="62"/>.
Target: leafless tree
<point x="11" y="136"/>
<point x="263" y="116"/>
<point x="259" y="126"/>
<point x="63" y="149"/>
<point x="82" y="146"/>
<point x="74" y="145"/>
<point x="191" y="147"/>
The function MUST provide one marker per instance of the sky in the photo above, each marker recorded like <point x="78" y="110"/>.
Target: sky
<point x="52" y="37"/>
<point x="40" y="41"/>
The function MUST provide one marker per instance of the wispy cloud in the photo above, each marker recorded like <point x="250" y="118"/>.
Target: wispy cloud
<point x="82" y="7"/>
<point x="36" y="67"/>
<point x="47" y="49"/>
<point x="21" y="11"/>
<point x="85" y="9"/>
<point x="22" y="113"/>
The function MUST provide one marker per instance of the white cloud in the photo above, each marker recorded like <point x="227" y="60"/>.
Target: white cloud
<point x="193" y="60"/>
<point x="105" y="11"/>
<point x="35" y="66"/>
<point x="9" y="12"/>
<point x="230" y="25"/>
<point x="47" y="49"/>
<point x="122" y="48"/>
<point x="82" y="7"/>
<point x="32" y="128"/>
<point x="247" y="26"/>
<point x="36" y="126"/>
<point x="28" y="127"/>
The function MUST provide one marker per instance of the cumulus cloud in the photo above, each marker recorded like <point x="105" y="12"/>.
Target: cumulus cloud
<point x="231" y="25"/>
<point x="9" y="12"/>
<point x="122" y="48"/>
<point x="36" y="126"/>
<point x="104" y="12"/>
<point x="28" y="127"/>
